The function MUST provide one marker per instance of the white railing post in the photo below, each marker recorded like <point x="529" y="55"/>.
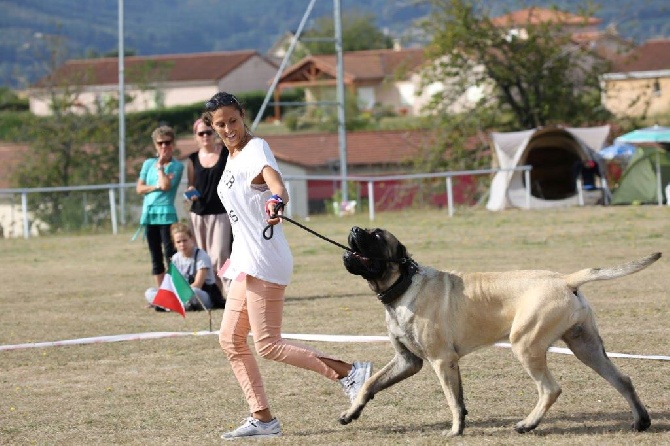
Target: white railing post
<point x="450" y="197"/>
<point x="24" y="208"/>
<point x="112" y="210"/>
<point x="371" y="201"/>
<point x="526" y="177"/>
<point x="85" y="212"/>
<point x="580" y="192"/>
<point x="659" y="180"/>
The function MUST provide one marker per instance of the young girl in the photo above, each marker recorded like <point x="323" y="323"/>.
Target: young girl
<point x="195" y="265"/>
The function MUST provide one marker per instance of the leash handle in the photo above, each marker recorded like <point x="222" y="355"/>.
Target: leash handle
<point x="269" y="230"/>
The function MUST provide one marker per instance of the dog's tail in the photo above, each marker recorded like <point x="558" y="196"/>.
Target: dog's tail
<point x="579" y="278"/>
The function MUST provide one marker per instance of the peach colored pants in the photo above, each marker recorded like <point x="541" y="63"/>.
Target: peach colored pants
<point x="256" y="306"/>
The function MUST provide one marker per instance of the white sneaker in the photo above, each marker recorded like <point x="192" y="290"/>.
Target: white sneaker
<point x="252" y="427"/>
<point x="352" y="383"/>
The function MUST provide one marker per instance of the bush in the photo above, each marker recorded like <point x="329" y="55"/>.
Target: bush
<point x="11" y="123"/>
<point x="10" y="101"/>
<point x="181" y="118"/>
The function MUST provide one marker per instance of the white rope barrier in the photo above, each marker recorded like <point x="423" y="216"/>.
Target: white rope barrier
<point x="299" y="337"/>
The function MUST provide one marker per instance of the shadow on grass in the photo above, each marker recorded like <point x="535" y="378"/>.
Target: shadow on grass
<point x="589" y="424"/>
<point x="323" y="296"/>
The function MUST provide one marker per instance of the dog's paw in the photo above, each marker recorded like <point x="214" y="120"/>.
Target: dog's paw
<point x="522" y="428"/>
<point x="345" y="419"/>
<point x="347" y="416"/>
<point x="451" y="433"/>
<point x="642" y="424"/>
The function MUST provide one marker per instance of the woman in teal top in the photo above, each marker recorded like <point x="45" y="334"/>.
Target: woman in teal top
<point x="158" y="182"/>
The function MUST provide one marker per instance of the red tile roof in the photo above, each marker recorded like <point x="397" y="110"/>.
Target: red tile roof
<point x="653" y="55"/>
<point x="537" y="16"/>
<point x="168" y="67"/>
<point x="359" y="66"/>
<point x="366" y="148"/>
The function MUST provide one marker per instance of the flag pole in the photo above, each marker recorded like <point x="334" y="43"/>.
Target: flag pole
<point x="209" y="310"/>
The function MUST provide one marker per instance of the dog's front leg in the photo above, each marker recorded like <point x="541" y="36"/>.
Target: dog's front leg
<point x="449" y="374"/>
<point x="403" y="365"/>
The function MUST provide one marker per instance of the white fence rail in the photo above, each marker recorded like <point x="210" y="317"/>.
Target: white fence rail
<point x="292" y="182"/>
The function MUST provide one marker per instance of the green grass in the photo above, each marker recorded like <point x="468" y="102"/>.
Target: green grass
<point x="181" y="390"/>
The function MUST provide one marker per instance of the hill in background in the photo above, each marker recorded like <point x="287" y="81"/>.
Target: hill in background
<point x="188" y="26"/>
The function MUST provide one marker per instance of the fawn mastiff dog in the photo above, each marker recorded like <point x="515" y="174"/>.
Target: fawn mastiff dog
<point x="441" y="316"/>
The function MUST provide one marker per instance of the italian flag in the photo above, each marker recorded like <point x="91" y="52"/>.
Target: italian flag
<point x="174" y="292"/>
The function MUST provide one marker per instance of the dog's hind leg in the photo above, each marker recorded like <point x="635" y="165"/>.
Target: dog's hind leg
<point x="534" y="360"/>
<point x="585" y="342"/>
<point x="449" y="373"/>
<point x="403" y="365"/>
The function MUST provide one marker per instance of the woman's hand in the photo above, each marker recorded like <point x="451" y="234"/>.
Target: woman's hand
<point x="274" y="207"/>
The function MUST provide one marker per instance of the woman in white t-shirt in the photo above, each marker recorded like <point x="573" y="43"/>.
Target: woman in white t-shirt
<point x="252" y="189"/>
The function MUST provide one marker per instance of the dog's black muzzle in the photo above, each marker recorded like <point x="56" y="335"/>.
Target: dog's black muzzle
<point x="364" y="258"/>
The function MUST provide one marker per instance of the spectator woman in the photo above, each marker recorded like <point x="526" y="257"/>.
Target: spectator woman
<point x="210" y="221"/>
<point x="158" y="182"/>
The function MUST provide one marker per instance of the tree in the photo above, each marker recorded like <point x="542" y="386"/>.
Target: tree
<point x="358" y="33"/>
<point x="537" y="74"/>
<point x="76" y="145"/>
<point x="492" y="78"/>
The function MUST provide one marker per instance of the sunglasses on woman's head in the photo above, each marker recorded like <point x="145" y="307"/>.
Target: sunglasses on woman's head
<point x="221" y="100"/>
<point x="167" y="142"/>
<point x="205" y="132"/>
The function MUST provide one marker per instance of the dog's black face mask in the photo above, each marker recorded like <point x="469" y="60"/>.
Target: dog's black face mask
<point x="371" y="250"/>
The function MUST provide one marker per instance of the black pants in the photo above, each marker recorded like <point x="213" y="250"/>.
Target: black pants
<point x="160" y="243"/>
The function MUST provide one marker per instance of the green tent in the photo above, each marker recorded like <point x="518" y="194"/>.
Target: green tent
<point x="640" y="183"/>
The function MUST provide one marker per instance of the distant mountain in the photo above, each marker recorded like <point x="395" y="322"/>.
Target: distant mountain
<point x="90" y="27"/>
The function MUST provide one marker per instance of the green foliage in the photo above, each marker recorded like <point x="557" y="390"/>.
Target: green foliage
<point x="12" y="124"/>
<point x="181" y="117"/>
<point x="523" y="81"/>
<point x="73" y="149"/>
<point x="541" y="79"/>
<point x="358" y="33"/>
<point x="325" y="118"/>
<point x="10" y="101"/>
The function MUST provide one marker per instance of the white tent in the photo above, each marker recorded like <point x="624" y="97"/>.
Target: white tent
<point x="553" y="153"/>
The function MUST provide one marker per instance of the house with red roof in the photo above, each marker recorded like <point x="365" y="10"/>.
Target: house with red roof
<point x="517" y="21"/>
<point x="388" y="77"/>
<point x="639" y="82"/>
<point x="584" y="31"/>
<point x="155" y="81"/>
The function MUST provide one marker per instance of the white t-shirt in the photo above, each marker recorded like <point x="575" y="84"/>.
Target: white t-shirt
<point x="251" y="254"/>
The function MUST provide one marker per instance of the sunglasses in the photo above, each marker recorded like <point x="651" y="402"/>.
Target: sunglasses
<point x="221" y="100"/>
<point x="164" y="143"/>
<point x="206" y="132"/>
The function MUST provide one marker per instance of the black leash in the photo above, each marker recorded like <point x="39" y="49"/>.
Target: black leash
<point x="268" y="232"/>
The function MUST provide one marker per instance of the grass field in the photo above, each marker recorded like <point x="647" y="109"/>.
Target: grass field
<point x="181" y="391"/>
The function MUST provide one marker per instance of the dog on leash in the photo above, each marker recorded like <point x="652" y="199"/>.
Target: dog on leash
<point x="440" y="316"/>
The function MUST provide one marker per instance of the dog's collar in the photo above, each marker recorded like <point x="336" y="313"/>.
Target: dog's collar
<point x="400" y="286"/>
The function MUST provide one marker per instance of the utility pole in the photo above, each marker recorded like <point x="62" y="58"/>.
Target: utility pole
<point x="122" y="120"/>
<point x="341" y="127"/>
<point x="340" y="96"/>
